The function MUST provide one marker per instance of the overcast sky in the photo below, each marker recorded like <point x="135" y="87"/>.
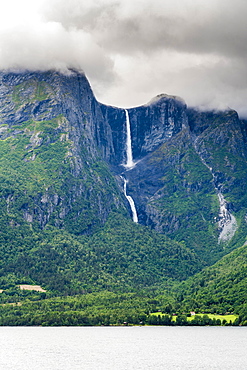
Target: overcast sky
<point x="132" y="50"/>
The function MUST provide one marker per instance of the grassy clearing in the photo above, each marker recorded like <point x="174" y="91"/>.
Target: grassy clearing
<point x="227" y="318"/>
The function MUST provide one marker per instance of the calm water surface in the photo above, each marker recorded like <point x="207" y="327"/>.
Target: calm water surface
<point x="123" y="348"/>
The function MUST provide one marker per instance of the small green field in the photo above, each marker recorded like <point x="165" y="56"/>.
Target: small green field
<point x="223" y="318"/>
<point x="228" y="318"/>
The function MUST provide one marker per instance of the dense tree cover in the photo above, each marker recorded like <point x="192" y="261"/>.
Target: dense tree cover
<point x="104" y="308"/>
<point x="220" y="288"/>
<point x="121" y="256"/>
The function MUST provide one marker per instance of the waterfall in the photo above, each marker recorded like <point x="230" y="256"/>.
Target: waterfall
<point x="227" y="223"/>
<point x="130" y="200"/>
<point x="130" y="163"/>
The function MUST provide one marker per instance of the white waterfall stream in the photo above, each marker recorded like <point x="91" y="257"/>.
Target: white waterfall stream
<point x="131" y="201"/>
<point x="129" y="165"/>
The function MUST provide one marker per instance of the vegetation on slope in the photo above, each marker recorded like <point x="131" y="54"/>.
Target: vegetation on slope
<point x="220" y="288"/>
<point x="120" y="257"/>
<point x="104" y="308"/>
<point x="183" y="203"/>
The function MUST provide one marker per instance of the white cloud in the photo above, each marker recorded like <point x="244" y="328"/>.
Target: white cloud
<point x="41" y="45"/>
<point x="132" y="50"/>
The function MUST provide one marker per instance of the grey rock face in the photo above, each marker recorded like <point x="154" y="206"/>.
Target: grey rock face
<point x="151" y="125"/>
<point x="155" y="123"/>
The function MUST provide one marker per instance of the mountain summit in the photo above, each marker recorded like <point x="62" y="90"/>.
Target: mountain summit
<point x="64" y="167"/>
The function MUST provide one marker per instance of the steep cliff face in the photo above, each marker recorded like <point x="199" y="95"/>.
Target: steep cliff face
<point x="156" y="122"/>
<point x="222" y="148"/>
<point x="44" y="96"/>
<point x="151" y="125"/>
<point x="62" y="154"/>
<point x="194" y="182"/>
<point x="53" y="144"/>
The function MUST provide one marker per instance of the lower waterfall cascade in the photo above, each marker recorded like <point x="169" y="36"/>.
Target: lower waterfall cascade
<point x="130" y="200"/>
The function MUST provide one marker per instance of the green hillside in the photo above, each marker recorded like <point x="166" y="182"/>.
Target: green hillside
<point x="119" y="257"/>
<point x="220" y="288"/>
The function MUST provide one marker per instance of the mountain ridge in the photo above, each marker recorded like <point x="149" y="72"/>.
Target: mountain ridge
<point x="101" y="131"/>
<point x="62" y="158"/>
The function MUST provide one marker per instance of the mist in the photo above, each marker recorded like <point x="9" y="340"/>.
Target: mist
<point x="132" y="51"/>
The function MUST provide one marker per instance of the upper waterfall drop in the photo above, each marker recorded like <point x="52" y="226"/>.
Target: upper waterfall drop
<point x="130" y="163"/>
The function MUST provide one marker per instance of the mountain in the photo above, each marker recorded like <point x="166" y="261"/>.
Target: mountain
<point x="193" y="185"/>
<point x="70" y="182"/>
<point x="65" y="221"/>
<point x="219" y="288"/>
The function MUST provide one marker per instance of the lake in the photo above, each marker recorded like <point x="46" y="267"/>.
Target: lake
<point x="123" y="348"/>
